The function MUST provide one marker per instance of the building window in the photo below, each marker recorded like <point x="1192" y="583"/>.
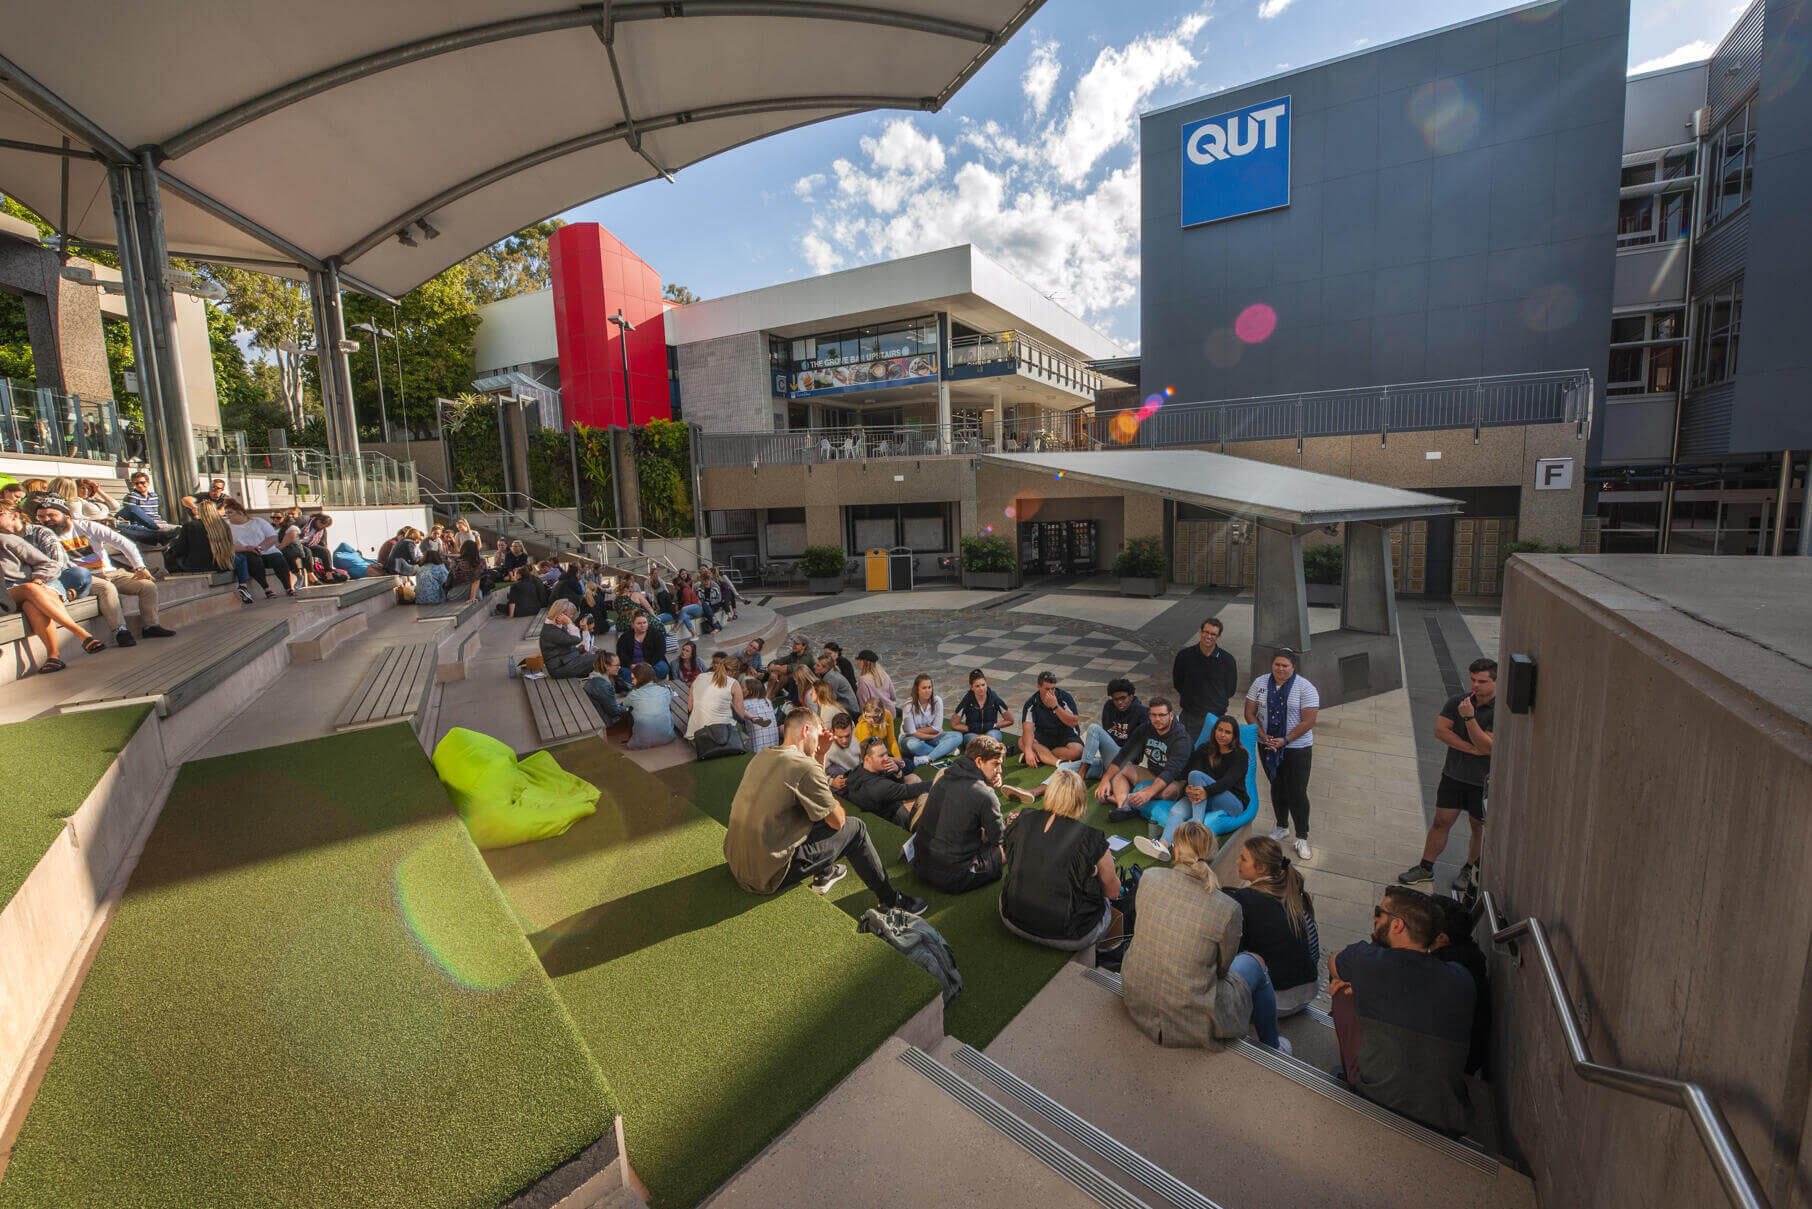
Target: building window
<point x="1717" y="320"/>
<point x="921" y="528"/>
<point x="1657" y="198"/>
<point x="1645" y="353"/>
<point x="784" y="532"/>
<point x="894" y="338"/>
<point x="1731" y="164"/>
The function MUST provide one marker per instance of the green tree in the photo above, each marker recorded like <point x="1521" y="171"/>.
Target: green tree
<point x="435" y="325"/>
<point x="678" y="293"/>
<point x="274" y="312"/>
<point x="516" y="265"/>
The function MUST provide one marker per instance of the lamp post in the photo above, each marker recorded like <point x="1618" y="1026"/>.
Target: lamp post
<point x="377" y="363"/>
<point x="624" y="328"/>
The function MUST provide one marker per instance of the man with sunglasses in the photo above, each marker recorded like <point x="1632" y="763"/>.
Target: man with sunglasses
<point x="1403" y="1015"/>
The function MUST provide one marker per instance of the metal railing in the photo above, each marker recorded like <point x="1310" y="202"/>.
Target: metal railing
<point x="1030" y="356"/>
<point x="54" y="423"/>
<point x="307" y="477"/>
<point x="816" y="445"/>
<point x="514" y="519"/>
<point x="1727" y="1159"/>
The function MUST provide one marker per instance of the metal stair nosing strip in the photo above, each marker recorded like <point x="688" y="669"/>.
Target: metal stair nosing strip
<point x="1092" y="1183"/>
<point x="1323" y="1084"/>
<point x="1083" y="1131"/>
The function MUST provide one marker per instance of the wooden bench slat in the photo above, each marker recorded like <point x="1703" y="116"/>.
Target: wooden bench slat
<point x="395" y="686"/>
<point x="562" y="709"/>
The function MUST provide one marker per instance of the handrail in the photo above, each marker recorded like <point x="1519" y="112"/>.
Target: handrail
<point x="1727" y="1159"/>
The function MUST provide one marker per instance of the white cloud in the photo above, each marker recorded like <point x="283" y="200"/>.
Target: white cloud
<point x="1692" y="52"/>
<point x="805" y="186"/>
<point x="819" y="254"/>
<point x="1040" y="78"/>
<point x="1271" y="8"/>
<point x="1361" y="43"/>
<point x="1104" y="106"/>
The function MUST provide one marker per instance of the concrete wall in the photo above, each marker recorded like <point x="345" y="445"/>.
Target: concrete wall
<point x="725" y="383"/>
<point x="1453" y="213"/>
<point x="1658" y="107"/>
<point x="1652" y="812"/>
<point x="62" y="318"/>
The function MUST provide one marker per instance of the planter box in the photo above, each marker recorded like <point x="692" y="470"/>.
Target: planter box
<point x="992" y="581"/>
<point x="1323" y="594"/>
<point x="1141" y="586"/>
<point x="825" y="587"/>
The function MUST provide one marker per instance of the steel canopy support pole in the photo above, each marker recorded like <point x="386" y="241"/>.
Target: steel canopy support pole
<point x="336" y="371"/>
<point x="151" y="314"/>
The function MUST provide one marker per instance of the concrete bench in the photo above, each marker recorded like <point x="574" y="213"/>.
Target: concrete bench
<point x="534" y="627"/>
<point x="176" y="671"/>
<point x="325" y="642"/>
<point x="455" y="668"/>
<point x="13" y="627"/>
<point x="396" y="686"/>
<point x="562" y="710"/>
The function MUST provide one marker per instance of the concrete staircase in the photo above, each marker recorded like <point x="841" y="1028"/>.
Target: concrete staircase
<point x="1072" y="1105"/>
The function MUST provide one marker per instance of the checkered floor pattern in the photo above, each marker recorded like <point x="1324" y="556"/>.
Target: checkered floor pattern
<point x="1021" y="652"/>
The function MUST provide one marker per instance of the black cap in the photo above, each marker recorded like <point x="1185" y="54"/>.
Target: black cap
<point x="867" y="656"/>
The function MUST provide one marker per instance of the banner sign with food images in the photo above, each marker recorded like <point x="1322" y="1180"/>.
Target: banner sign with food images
<point x="865" y="375"/>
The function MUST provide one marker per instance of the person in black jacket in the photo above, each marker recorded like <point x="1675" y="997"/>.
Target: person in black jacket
<point x="563" y="652"/>
<point x="1278" y="922"/>
<point x="1458" y="946"/>
<point x="1205" y="677"/>
<point x="877" y="788"/>
<point x="528" y="596"/>
<point x="1147" y="774"/>
<point x="956" y="837"/>
<point x="1214" y="784"/>
<point x="644" y="642"/>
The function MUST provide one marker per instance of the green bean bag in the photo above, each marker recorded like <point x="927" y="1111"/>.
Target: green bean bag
<point x="503" y="801"/>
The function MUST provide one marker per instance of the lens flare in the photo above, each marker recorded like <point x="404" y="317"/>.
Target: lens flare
<point x="1010" y="512"/>
<point x="1255" y="324"/>
<point x="1060" y="474"/>
<point x="1551" y="308"/>
<point x="434" y="909"/>
<point x="1150" y="407"/>
<point x="1445" y="115"/>
<point x="1170" y="392"/>
<point x="1124" y="427"/>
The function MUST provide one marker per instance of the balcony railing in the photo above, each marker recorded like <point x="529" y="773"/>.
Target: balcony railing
<point x="1017" y="352"/>
<point x="1475" y="403"/>
<point x="52" y="423"/>
<point x="310" y="478"/>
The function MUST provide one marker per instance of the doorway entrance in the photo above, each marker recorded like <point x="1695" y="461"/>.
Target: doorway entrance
<point x="1059" y="547"/>
<point x="1438" y="569"/>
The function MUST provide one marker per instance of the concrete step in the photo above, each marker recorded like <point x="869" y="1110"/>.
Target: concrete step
<point x="903" y="1131"/>
<point x="1242" y="1126"/>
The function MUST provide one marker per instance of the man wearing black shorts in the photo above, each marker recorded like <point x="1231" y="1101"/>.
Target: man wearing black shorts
<point x="1465" y="727"/>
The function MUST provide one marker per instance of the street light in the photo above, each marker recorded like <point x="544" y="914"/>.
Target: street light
<point x="377" y="363"/>
<point x="623" y="344"/>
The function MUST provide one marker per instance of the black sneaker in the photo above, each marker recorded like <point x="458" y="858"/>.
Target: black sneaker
<point x="1121" y="814"/>
<point x="157" y="631"/>
<point x="245" y="594"/>
<point x="910" y="905"/>
<point x="824" y="879"/>
<point x="124" y="638"/>
<point x="1466" y="880"/>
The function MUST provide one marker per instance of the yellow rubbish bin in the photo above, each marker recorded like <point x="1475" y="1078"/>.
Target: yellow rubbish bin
<point x="874" y="566"/>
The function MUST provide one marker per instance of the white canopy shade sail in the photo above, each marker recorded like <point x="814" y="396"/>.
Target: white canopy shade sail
<point x="290" y="135"/>
<point x="1236" y="486"/>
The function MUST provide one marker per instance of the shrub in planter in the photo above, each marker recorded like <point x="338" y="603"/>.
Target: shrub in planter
<point x="1142" y="567"/>
<point x="1323" y="564"/>
<point x="988" y="563"/>
<point x="822" y="567"/>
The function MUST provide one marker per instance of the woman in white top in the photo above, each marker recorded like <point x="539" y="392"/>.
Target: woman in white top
<point x="716" y="698"/>
<point x="922" y="731"/>
<point x="872" y="680"/>
<point x="1283" y="705"/>
<point x="91" y="503"/>
<point x="254" y="551"/>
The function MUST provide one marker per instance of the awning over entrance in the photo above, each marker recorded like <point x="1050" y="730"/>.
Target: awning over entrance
<point x="1236" y="486"/>
<point x="294" y="136"/>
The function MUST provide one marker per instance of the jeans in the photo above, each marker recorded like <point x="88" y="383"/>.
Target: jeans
<point x="687" y="613"/>
<point x="944" y="745"/>
<point x="74" y="581"/>
<point x="132" y="514"/>
<point x="253" y="566"/>
<point x="994" y="734"/>
<point x="1252" y="972"/>
<point x="824" y="846"/>
<point x="661" y="670"/>
<point x="604" y="695"/>
<point x="1183" y="809"/>
<point x="1098" y="751"/>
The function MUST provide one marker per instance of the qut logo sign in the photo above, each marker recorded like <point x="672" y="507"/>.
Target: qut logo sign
<point x="1237" y="163"/>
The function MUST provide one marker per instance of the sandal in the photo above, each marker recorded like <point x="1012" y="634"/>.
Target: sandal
<point x="51" y="665"/>
<point x="93" y="646"/>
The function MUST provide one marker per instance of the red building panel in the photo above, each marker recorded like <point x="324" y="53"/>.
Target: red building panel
<point x="595" y="277"/>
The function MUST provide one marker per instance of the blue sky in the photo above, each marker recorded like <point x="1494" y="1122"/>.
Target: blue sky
<point x="1036" y="160"/>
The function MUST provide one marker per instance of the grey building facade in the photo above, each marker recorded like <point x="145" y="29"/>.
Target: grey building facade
<point x="1452" y="213"/>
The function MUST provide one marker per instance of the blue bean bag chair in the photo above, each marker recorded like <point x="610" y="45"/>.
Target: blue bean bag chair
<point x="1217" y="821"/>
<point x="356" y="565"/>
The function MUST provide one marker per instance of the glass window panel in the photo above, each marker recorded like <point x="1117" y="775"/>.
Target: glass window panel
<point x="925" y="534"/>
<point x="1667" y="325"/>
<point x="1626" y="375"/>
<point x="1636" y="220"/>
<point x="1676" y="216"/>
<point x="1664" y="368"/>
<point x="1677" y="165"/>
<point x="1639" y="174"/>
<point x="875" y="534"/>
<point x="1628" y="328"/>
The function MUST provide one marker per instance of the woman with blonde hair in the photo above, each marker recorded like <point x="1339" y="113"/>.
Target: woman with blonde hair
<point x="565" y="642"/>
<point x="1186" y="983"/>
<point x="872" y="681"/>
<point x="1279" y="923"/>
<point x="1060" y="882"/>
<point x="824" y="700"/>
<point x="876" y="722"/>
<point x="716" y="698"/>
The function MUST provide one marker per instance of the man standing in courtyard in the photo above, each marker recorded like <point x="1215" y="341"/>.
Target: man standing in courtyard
<point x="1464" y="726"/>
<point x="1205" y="677"/>
<point x="786" y="825"/>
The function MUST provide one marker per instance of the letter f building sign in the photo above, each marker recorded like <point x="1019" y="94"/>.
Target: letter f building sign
<point x="1237" y="163"/>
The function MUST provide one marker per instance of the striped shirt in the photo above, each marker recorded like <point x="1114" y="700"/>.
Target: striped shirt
<point x="145" y="501"/>
<point x="1302" y="696"/>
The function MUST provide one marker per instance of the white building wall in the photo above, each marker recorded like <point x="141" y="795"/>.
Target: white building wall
<point x="515" y="331"/>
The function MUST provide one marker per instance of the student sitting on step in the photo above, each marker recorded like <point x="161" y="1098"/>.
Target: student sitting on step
<point x="644" y="642"/>
<point x="431" y="579"/>
<point x="787" y="826"/>
<point x="1185" y="981"/>
<point x="528" y="596"/>
<point x="565" y="642"/>
<point x="1402" y="1014"/>
<point x="956" y="836"/>
<point x="651" y="705"/>
<point x="604" y="684"/>
<point x="29" y="576"/>
<point x="1278" y="922"/>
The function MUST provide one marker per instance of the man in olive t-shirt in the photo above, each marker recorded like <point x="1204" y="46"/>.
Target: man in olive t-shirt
<point x="786" y="825"/>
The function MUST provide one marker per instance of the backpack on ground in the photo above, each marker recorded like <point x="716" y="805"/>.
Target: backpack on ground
<point x="919" y="941"/>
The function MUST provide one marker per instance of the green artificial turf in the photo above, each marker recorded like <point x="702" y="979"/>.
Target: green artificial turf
<point x="1001" y="973"/>
<point x="719" y="1016"/>
<point x="52" y="764"/>
<point x="312" y="995"/>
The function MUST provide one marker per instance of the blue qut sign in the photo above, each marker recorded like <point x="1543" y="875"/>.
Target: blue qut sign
<point x="1237" y="163"/>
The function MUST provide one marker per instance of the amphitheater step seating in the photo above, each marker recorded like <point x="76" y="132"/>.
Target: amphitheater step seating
<point x="562" y="710"/>
<point x="177" y="671"/>
<point x="173" y="592"/>
<point x="394" y="688"/>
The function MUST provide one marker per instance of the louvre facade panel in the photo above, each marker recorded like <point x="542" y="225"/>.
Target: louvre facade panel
<point x="1736" y="68"/>
<point x="1705" y="421"/>
<point x="1722" y="254"/>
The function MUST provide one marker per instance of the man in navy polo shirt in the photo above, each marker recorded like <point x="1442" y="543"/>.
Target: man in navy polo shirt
<point x="1404" y="1016"/>
<point x="1050" y="733"/>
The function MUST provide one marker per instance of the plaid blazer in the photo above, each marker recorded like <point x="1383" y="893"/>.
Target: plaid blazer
<point x="1174" y="975"/>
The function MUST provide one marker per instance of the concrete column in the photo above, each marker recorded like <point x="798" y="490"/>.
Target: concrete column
<point x="999" y="422"/>
<point x="943" y="416"/>
<point x="1368" y="597"/>
<point x="336" y="373"/>
<point x="151" y="313"/>
<point x="1280" y="600"/>
<point x="628" y="490"/>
